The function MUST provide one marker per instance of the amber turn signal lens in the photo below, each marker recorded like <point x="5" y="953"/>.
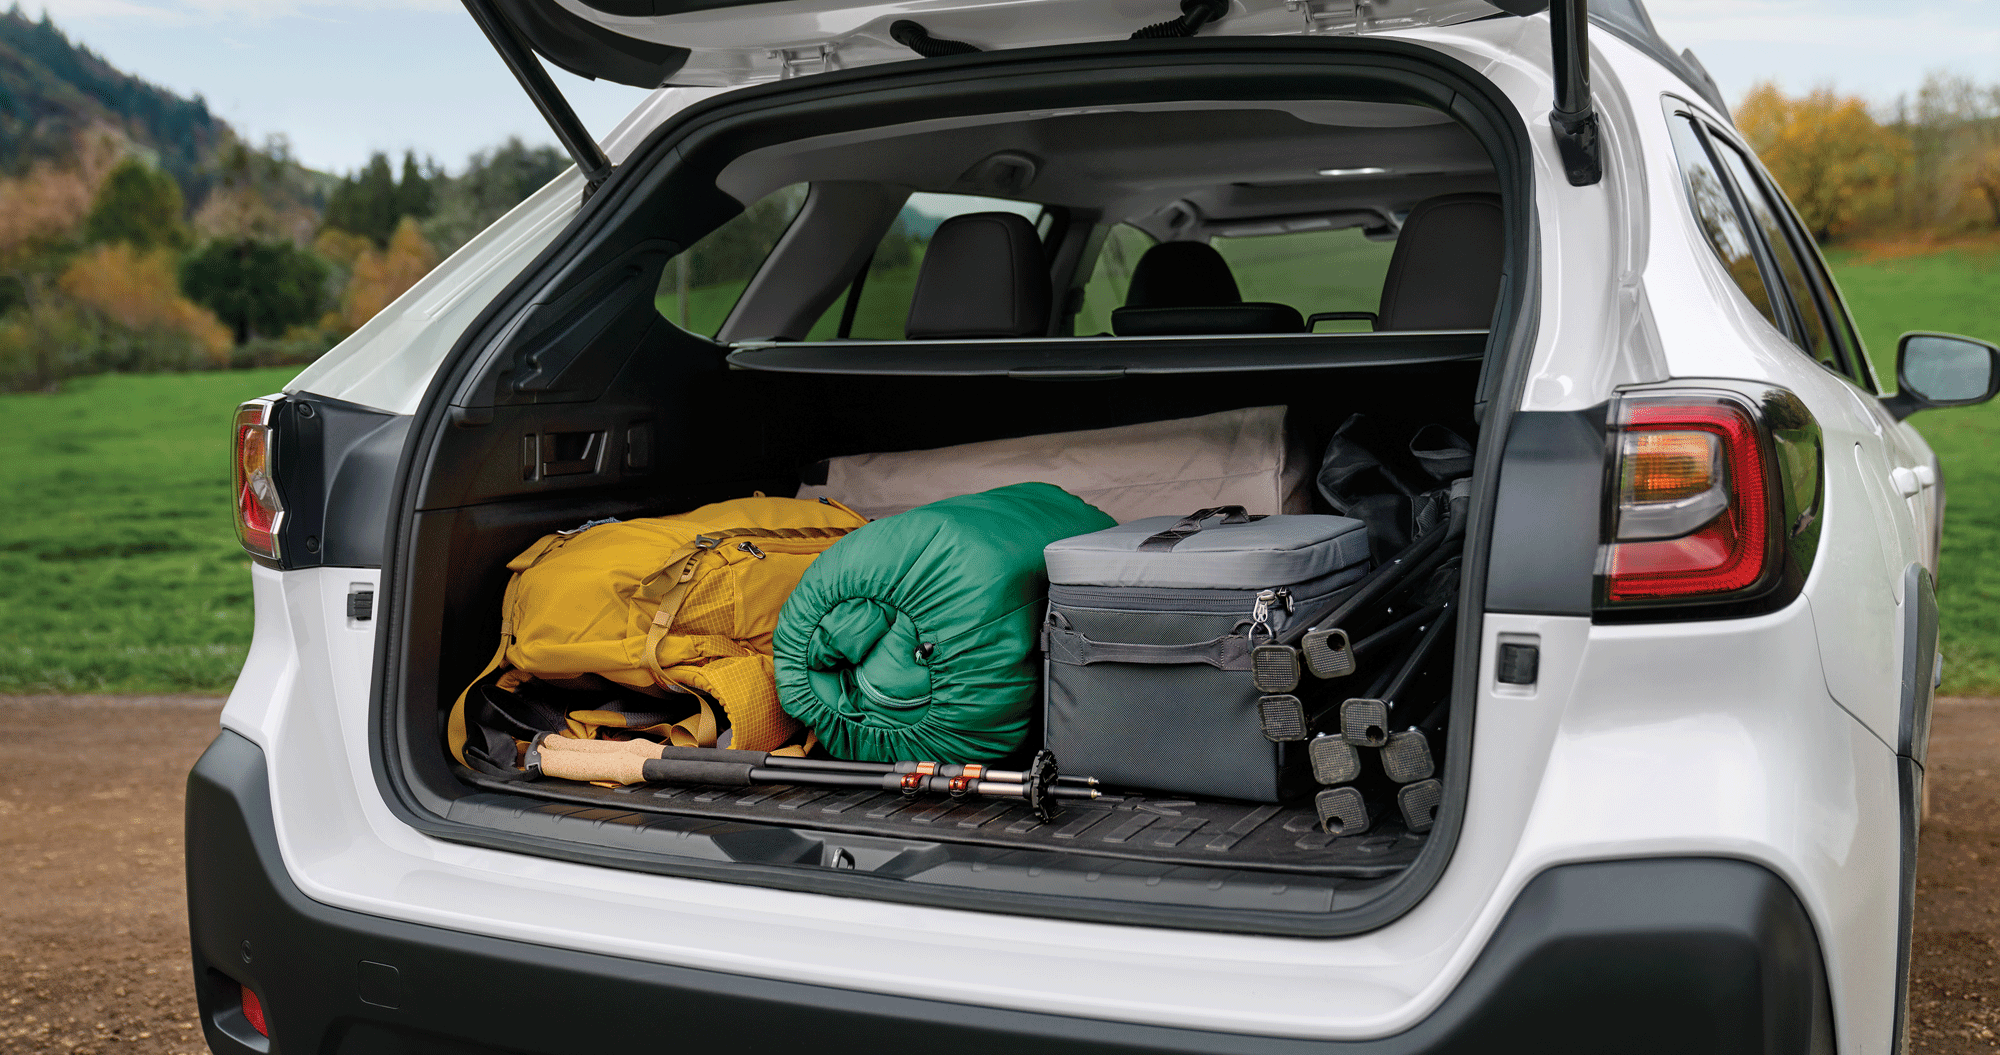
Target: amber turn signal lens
<point x="1670" y="466"/>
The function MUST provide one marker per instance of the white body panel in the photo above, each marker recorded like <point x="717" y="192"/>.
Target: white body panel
<point x="1707" y="738"/>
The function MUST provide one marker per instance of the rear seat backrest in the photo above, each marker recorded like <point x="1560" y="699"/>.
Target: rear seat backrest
<point x="984" y="275"/>
<point x="1445" y="272"/>
<point x="1187" y="288"/>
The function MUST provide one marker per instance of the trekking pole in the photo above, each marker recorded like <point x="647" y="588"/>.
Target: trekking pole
<point x="646" y="762"/>
<point x="767" y="760"/>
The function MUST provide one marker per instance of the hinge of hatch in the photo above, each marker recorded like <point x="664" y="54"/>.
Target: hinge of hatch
<point x="1327" y="16"/>
<point x="791" y="61"/>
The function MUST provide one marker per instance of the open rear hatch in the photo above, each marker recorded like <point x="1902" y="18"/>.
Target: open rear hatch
<point x="647" y="43"/>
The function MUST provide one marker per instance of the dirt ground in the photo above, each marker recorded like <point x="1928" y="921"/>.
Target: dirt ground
<point x="93" y="922"/>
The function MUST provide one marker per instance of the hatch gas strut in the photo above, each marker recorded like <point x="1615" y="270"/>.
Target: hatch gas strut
<point x="1573" y="120"/>
<point x="590" y="159"/>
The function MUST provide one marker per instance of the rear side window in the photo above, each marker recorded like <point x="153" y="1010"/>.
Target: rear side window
<point x="876" y="307"/>
<point x="1313" y="271"/>
<point x="1813" y="335"/>
<point x="700" y="287"/>
<point x="1839" y="328"/>
<point x="1716" y="215"/>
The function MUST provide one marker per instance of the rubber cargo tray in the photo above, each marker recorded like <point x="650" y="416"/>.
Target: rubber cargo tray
<point x="1130" y="827"/>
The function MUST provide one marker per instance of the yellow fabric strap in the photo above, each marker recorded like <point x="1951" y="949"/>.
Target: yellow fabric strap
<point x="701" y="728"/>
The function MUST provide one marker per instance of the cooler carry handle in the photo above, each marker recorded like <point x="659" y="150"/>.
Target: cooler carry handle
<point x="1229" y="652"/>
<point x="1191" y="524"/>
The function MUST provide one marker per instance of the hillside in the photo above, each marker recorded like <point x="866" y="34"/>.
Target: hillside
<point x="51" y="89"/>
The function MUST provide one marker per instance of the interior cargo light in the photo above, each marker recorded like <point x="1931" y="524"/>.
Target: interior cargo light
<point x="259" y="509"/>
<point x="1366" y="170"/>
<point x="1692" y="513"/>
<point x="253" y="1011"/>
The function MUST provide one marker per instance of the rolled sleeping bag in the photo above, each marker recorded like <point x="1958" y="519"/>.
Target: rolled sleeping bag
<point x="913" y="637"/>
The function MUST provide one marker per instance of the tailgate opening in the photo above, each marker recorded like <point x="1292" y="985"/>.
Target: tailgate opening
<point x="741" y="304"/>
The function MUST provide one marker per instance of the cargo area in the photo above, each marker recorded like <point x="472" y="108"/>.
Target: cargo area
<point x="832" y="303"/>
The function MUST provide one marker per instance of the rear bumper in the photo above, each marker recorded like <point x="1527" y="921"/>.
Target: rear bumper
<point x="1665" y="954"/>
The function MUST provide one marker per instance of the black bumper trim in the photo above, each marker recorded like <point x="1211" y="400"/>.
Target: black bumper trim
<point x="1658" y="955"/>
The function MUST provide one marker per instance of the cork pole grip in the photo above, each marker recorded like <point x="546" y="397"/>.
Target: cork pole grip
<point x="591" y="766"/>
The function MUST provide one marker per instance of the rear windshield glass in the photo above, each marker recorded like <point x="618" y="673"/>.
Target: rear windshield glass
<point x="1313" y="271"/>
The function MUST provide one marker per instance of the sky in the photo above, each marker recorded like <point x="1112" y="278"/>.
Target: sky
<point x="343" y="79"/>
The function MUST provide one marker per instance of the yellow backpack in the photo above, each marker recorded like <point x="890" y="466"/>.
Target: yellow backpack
<point x="677" y="604"/>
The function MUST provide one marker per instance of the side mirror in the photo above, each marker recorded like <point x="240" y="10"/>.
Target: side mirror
<point x="1942" y="370"/>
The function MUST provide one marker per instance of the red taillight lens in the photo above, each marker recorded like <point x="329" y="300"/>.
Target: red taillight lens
<point x="1692" y="515"/>
<point x="253" y="1010"/>
<point x="259" y="509"/>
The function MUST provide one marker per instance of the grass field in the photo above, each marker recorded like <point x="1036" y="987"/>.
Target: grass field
<point x="1956" y="292"/>
<point x="119" y="571"/>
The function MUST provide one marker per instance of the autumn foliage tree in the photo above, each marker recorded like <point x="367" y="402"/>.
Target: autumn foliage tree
<point x="380" y="276"/>
<point x="1983" y="175"/>
<point x="137" y="289"/>
<point x="1827" y="152"/>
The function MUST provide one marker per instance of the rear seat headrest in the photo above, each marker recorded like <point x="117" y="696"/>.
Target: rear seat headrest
<point x="1182" y="275"/>
<point x="983" y="275"/>
<point x="1445" y="272"/>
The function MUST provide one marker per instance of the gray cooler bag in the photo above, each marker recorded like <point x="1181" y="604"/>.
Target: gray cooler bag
<point x="1152" y="631"/>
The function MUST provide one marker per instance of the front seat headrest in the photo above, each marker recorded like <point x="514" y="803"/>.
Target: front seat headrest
<point x="1182" y="275"/>
<point x="1445" y="272"/>
<point x="983" y="275"/>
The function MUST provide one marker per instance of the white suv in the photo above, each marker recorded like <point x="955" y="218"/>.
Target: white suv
<point x="1682" y="731"/>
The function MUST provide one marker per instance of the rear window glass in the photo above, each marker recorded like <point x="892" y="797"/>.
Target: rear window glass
<point x="1110" y="277"/>
<point x="1815" y="340"/>
<point x="1716" y="215"/>
<point x="700" y="287"/>
<point x="881" y="297"/>
<point x="1312" y="271"/>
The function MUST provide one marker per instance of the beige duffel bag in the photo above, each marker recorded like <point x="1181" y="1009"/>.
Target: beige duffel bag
<point x="1237" y="457"/>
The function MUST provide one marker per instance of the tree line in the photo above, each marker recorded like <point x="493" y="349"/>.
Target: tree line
<point x="105" y="263"/>
<point x="1925" y="166"/>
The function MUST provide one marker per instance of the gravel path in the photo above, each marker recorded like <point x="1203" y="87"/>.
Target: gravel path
<point x="93" y="921"/>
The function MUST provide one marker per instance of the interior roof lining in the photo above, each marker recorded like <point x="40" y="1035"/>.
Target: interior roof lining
<point x="1125" y="160"/>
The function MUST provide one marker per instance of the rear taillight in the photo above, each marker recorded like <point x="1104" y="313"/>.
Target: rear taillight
<point x="259" y="509"/>
<point x="253" y="1011"/>
<point x="1694" y="500"/>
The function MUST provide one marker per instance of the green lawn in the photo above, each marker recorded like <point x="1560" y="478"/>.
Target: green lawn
<point x="119" y="568"/>
<point x="1955" y="292"/>
<point x="119" y="571"/>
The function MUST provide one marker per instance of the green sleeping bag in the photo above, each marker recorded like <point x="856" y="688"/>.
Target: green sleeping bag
<point x="912" y="637"/>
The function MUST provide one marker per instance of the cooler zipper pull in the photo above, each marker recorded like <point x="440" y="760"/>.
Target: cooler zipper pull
<point x="1260" y="612"/>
